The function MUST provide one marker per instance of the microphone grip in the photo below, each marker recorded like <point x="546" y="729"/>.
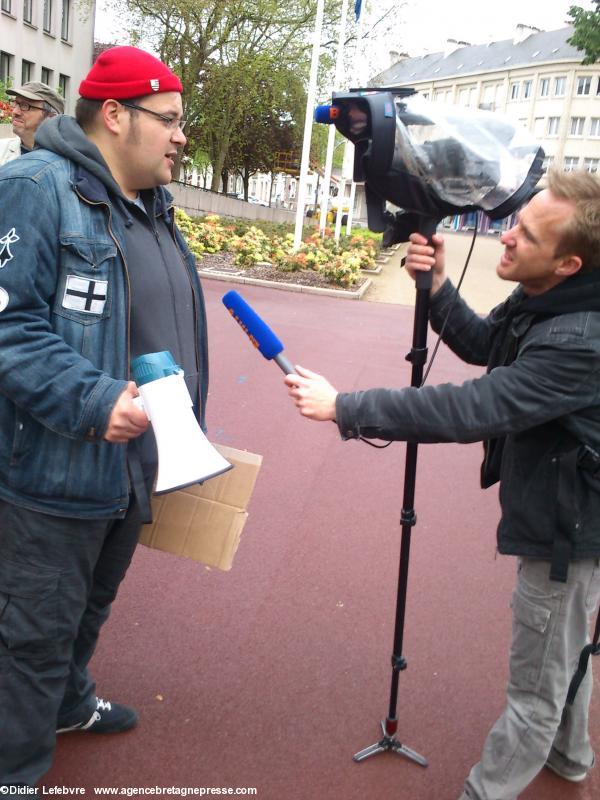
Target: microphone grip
<point x="284" y="364"/>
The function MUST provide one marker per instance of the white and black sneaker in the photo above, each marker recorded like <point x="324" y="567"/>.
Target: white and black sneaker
<point x="107" y="718"/>
<point x="565" y="768"/>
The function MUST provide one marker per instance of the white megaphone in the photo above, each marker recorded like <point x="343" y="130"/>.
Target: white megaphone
<point x="185" y="456"/>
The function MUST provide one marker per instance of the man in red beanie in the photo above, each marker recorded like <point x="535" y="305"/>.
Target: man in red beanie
<point x="93" y="272"/>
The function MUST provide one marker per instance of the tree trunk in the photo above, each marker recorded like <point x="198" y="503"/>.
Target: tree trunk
<point x="176" y="172"/>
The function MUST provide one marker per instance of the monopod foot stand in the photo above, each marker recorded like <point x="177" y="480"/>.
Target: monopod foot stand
<point x="408" y="518"/>
<point x="389" y="742"/>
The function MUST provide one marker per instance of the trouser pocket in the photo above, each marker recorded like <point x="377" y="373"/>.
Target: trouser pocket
<point x="28" y="609"/>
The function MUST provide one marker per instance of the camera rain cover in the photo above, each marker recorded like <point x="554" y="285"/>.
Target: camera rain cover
<point x="466" y="158"/>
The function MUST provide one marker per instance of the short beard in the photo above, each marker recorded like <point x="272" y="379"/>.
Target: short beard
<point x="133" y="135"/>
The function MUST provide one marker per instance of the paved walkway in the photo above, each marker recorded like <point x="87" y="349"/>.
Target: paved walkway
<point x="274" y="674"/>
<point x="482" y="288"/>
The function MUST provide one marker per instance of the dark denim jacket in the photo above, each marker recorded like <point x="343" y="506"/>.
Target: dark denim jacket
<point x="64" y="338"/>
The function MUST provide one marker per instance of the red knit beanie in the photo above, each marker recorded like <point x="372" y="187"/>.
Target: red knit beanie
<point x="121" y="73"/>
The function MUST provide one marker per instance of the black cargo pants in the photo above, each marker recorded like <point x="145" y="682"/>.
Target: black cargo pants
<point x="58" y="578"/>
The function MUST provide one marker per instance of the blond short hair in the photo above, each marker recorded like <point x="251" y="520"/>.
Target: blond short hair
<point x="581" y="233"/>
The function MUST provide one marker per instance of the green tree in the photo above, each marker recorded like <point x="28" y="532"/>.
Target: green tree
<point x="268" y="125"/>
<point x="586" y="35"/>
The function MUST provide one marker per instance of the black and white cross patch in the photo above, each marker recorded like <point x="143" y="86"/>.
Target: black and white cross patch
<point x="5" y="243"/>
<point x="85" y="295"/>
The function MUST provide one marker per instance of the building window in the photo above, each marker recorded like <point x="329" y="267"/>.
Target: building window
<point x="48" y="16"/>
<point x="544" y="87"/>
<point x="26" y="71"/>
<point x="5" y="63"/>
<point x="65" y="24"/>
<point x="63" y="85"/>
<point x="527" y="89"/>
<point x="560" y="84"/>
<point x="595" y="126"/>
<point x="553" y="123"/>
<point x="576" y="128"/>
<point x="463" y="97"/>
<point x="584" y="85"/>
<point x="591" y="164"/>
<point x="538" y="127"/>
<point x="489" y="94"/>
<point x="547" y="163"/>
<point x="47" y="76"/>
<point x="570" y="163"/>
<point x="6" y="6"/>
<point x="514" y="91"/>
<point x="28" y="11"/>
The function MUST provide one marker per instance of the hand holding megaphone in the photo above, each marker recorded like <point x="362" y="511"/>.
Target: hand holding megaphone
<point x="185" y="456"/>
<point x="127" y="419"/>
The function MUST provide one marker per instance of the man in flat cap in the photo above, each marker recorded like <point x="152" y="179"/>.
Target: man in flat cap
<point x="32" y="104"/>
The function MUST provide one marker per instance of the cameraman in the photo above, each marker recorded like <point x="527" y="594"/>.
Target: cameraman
<point x="537" y="409"/>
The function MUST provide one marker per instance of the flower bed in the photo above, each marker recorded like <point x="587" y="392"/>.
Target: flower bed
<point x="337" y="263"/>
<point x="5" y="112"/>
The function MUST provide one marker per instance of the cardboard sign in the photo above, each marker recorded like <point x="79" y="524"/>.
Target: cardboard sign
<point x="205" y="521"/>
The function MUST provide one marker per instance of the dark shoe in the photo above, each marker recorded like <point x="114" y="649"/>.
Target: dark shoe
<point x="107" y="718"/>
<point x="565" y="768"/>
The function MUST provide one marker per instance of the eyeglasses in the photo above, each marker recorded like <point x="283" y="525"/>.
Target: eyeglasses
<point x="24" y="105"/>
<point x="172" y="123"/>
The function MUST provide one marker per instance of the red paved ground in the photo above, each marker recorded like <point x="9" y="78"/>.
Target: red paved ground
<point x="274" y="674"/>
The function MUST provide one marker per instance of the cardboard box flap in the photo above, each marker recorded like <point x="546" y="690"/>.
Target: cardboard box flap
<point x="235" y="487"/>
<point x="204" y="522"/>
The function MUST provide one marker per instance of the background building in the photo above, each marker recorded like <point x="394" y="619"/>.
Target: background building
<point x="49" y="41"/>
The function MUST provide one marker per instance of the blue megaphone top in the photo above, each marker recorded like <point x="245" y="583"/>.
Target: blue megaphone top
<point x="152" y="366"/>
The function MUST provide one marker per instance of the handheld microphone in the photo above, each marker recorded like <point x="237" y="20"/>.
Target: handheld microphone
<point x="259" y="333"/>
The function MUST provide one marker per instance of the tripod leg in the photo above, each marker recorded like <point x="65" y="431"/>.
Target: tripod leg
<point x="402" y="750"/>
<point x="372" y="750"/>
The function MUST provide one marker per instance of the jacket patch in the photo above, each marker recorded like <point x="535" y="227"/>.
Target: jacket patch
<point x="5" y="243"/>
<point x="85" y="295"/>
<point x="4" y="298"/>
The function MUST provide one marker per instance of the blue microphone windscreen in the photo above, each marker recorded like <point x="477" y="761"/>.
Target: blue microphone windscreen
<point x="258" y="331"/>
<point x="323" y="114"/>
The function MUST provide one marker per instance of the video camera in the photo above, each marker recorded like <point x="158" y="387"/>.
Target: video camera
<point x="432" y="161"/>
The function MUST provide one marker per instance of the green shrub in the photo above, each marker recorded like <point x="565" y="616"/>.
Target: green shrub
<point x="254" y="241"/>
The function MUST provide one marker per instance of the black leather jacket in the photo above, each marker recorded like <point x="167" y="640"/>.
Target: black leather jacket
<point x="540" y="401"/>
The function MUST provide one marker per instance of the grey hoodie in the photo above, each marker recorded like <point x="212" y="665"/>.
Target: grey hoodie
<point x="163" y="300"/>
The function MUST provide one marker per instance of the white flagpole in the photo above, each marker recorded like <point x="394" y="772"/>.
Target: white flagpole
<point x="361" y="79"/>
<point x="308" y="122"/>
<point x="351" y="208"/>
<point x="325" y="192"/>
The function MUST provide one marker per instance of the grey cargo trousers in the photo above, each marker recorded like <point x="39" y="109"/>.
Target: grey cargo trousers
<point x="550" y="628"/>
